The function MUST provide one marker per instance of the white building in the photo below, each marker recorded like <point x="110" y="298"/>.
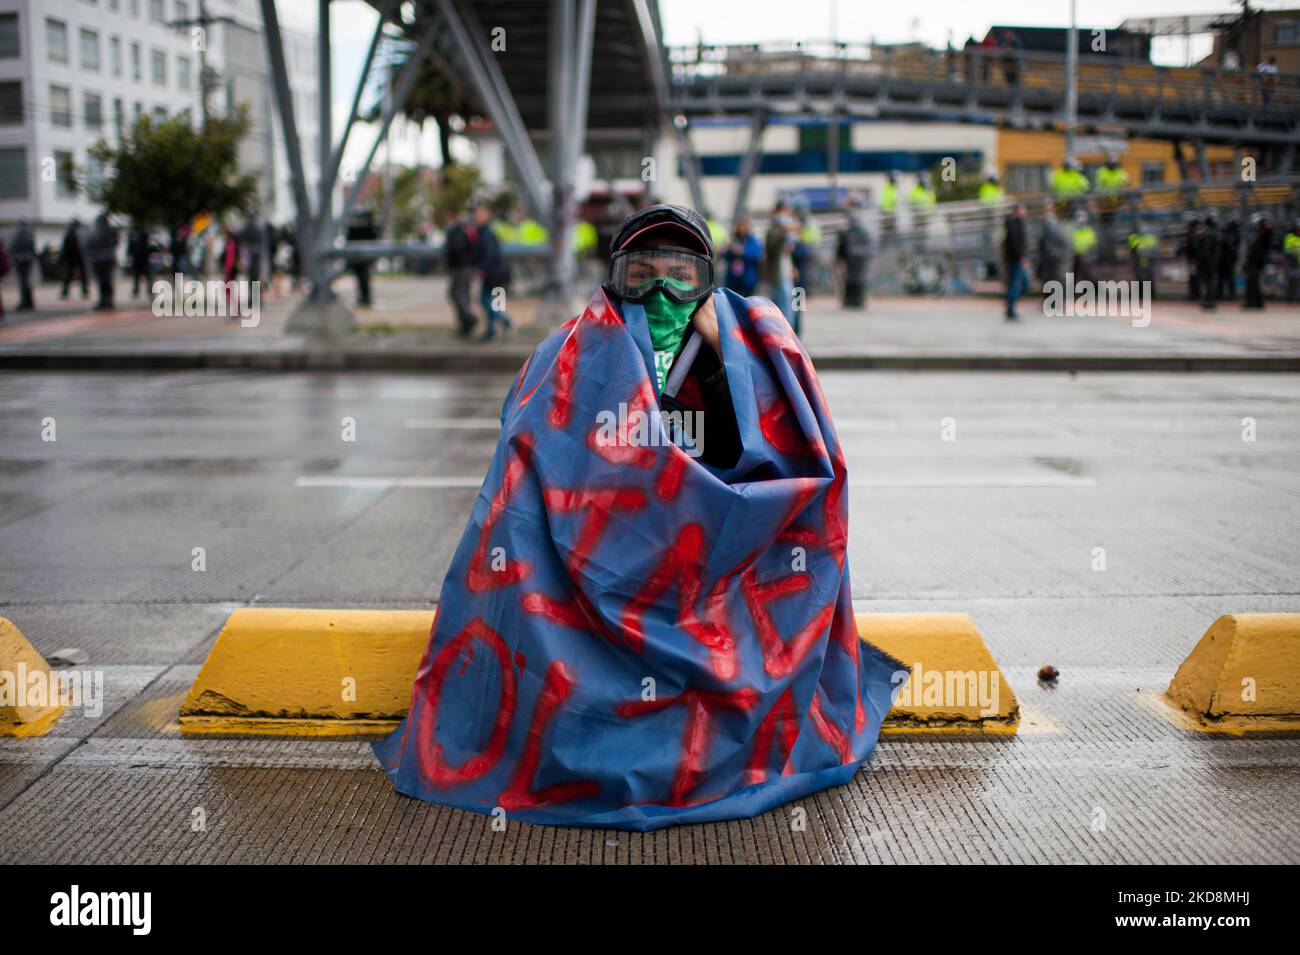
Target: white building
<point x="75" y="71"/>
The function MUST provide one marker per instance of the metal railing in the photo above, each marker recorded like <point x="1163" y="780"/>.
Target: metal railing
<point x="1105" y="83"/>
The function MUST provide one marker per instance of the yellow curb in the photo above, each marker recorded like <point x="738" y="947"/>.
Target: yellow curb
<point x="1243" y="676"/>
<point x="23" y="673"/>
<point x="287" y="672"/>
<point x="955" y="686"/>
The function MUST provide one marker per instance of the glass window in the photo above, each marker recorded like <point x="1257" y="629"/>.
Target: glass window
<point x="135" y="61"/>
<point x="137" y="110"/>
<point x="119" y="116"/>
<point x="156" y="11"/>
<point x="94" y="108"/>
<point x="94" y="172"/>
<point x="1153" y="173"/>
<point x="11" y="103"/>
<point x="60" y="106"/>
<point x="183" y="72"/>
<point x="134" y="8"/>
<point x="13" y="172"/>
<point x="89" y="49"/>
<point x="115" y="55"/>
<point x="1286" y="32"/>
<point x="182" y="10"/>
<point x="62" y="179"/>
<point x="158" y="67"/>
<point x="1027" y="177"/>
<point x="159" y="114"/>
<point x="56" y="41"/>
<point x="10" y="45"/>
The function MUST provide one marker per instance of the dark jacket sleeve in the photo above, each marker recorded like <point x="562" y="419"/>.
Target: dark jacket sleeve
<point x="721" y="445"/>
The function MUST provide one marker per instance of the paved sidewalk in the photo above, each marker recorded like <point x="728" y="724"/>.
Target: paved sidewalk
<point x="410" y="327"/>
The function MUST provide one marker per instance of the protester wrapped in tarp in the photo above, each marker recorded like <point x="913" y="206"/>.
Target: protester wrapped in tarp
<point x="648" y="620"/>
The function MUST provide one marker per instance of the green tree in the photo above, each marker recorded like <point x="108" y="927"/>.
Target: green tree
<point x="965" y="186"/>
<point x="412" y="201"/>
<point x="437" y="95"/>
<point x="162" y="174"/>
<point x="459" y="183"/>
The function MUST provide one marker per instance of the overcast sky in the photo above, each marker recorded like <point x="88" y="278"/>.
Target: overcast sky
<point x="752" y="21"/>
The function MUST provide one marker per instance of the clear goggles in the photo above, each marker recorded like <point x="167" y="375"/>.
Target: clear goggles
<point x="682" y="275"/>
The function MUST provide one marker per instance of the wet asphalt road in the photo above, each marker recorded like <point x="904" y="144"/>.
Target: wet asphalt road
<point x="98" y="530"/>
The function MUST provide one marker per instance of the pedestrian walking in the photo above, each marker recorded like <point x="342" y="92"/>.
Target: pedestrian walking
<point x="23" y="253"/>
<point x="362" y="229"/>
<point x="853" y="251"/>
<point x="779" y="263"/>
<point x="1054" y="248"/>
<point x="1229" y="252"/>
<point x="230" y="267"/>
<point x="1207" y="262"/>
<point x="459" y="250"/>
<point x="495" y="271"/>
<point x="4" y="270"/>
<point x="101" y="250"/>
<point x="1015" y="256"/>
<point x="1258" y="251"/>
<point x="743" y="258"/>
<point x="138" y="250"/>
<point x="72" y="259"/>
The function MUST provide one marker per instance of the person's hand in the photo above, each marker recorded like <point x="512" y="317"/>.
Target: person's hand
<point x="705" y="321"/>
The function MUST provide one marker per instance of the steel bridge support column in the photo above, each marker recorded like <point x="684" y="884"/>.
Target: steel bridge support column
<point x="750" y="163"/>
<point x="572" y="29"/>
<point x="319" y="313"/>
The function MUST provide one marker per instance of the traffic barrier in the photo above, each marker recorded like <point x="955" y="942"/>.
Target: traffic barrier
<point x="31" y="700"/>
<point x="1243" y="676"/>
<point x="284" y="672"/>
<point x="955" y="686"/>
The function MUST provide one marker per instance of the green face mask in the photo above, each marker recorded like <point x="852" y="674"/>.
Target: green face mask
<point x="667" y="319"/>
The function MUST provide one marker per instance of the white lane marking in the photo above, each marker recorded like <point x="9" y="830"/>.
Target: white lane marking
<point x="1028" y="480"/>
<point x="453" y="424"/>
<point x="382" y="483"/>
<point x="458" y="483"/>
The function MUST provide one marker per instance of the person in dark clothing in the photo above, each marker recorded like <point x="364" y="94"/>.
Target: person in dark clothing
<point x="294" y="262"/>
<point x="492" y="265"/>
<point x="1258" y="251"/>
<point x="101" y="250"/>
<point x="662" y="259"/>
<point x="4" y="270"/>
<point x="23" y="252"/>
<point x="1229" y="250"/>
<point x="1207" y="262"/>
<point x="251" y="239"/>
<point x="72" y="260"/>
<point x="743" y="258"/>
<point x="1015" y="253"/>
<point x="180" y="252"/>
<point x="459" y="249"/>
<point x="1188" y="250"/>
<point x="138" y="250"/>
<point x="362" y="229"/>
<point x="853" y="251"/>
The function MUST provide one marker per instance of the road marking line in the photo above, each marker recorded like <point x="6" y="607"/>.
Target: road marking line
<point x="453" y="424"/>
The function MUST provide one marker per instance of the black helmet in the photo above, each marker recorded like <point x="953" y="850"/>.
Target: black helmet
<point x="692" y="231"/>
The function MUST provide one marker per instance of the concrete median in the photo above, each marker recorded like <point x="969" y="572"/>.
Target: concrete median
<point x="290" y="672"/>
<point x="1243" y="676"/>
<point x="31" y="700"/>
